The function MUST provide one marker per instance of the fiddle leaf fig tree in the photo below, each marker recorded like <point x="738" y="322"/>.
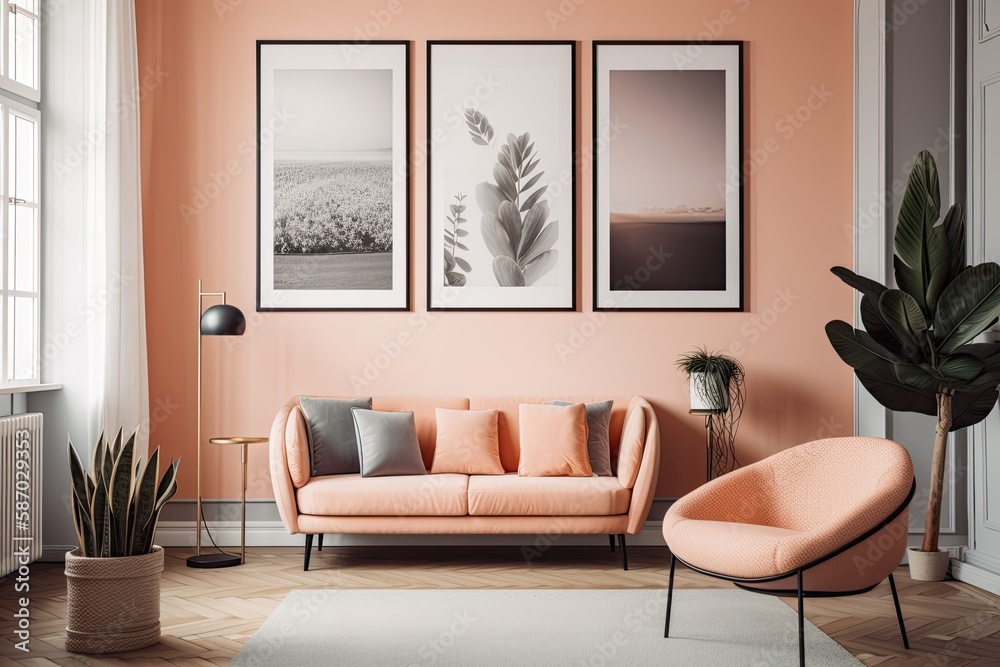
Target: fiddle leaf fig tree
<point x="916" y="353"/>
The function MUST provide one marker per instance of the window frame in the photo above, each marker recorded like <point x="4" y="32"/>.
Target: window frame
<point x="7" y="82"/>
<point x="10" y="106"/>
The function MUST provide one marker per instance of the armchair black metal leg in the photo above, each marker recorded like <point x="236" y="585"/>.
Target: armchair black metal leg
<point x="899" y="612"/>
<point x="320" y="545"/>
<point x="309" y="546"/>
<point x="611" y="539"/>
<point x="621" y="543"/>
<point x="670" y="596"/>
<point x="802" y="626"/>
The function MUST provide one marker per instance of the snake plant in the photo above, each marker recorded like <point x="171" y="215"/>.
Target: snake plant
<point x="117" y="503"/>
<point x="916" y="353"/>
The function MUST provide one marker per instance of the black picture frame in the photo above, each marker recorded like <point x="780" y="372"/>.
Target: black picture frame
<point x="310" y="280"/>
<point x="695" y="244"/>
<point x="454" y="61"/>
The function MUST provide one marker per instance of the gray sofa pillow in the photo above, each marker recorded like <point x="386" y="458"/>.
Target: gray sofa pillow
<point x="387" y="443"/>
<point x="598" y="436"/>
<point x="333" y="442"/>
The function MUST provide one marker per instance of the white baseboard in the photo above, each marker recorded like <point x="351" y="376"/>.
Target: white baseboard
<point x="273" y="534"/>
<point x="976" y="576"/>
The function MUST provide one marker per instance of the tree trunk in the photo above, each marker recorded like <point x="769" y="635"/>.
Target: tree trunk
<point x="933" y="526"/>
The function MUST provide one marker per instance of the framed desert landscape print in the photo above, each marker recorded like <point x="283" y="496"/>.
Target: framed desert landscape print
<point x="668" y="181"/>
<point x="333" y="183"/>
<point x="501" y="192"/>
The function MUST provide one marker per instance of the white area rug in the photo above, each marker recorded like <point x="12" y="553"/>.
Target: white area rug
<point x="582" y="628"/>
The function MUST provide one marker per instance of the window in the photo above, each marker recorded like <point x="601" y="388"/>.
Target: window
<point x="20" y="251"/>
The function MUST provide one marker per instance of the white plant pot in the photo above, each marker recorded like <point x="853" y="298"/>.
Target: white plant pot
<point x="928" y="565"/>
<point x="702" y="399"/>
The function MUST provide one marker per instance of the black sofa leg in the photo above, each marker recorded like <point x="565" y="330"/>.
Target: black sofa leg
<point x="611" y="539"/>
<point x="802" y="626"/>
<point x="899" y="613"/>
<point x="309" y="546"/>
<point x="670" y="596"/>
<point x="320" y="545"/>
<point x="621" y="543"/>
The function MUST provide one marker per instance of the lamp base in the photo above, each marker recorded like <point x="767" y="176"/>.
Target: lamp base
<point x="214" y="560"/>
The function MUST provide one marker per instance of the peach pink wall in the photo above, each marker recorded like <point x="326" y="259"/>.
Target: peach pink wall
<point x="200" y="121"/>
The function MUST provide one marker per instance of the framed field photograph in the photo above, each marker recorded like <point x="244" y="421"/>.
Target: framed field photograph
<point x="332" y="179"/>
<point x="501" y="203"/>
<point x="668" y="181"/>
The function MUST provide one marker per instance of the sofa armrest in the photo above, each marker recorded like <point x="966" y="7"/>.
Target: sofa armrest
<point x="281" y="479"/>
<point x="644" y="488"/>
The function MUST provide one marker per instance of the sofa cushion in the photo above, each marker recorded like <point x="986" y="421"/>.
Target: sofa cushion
<point x="507" y="421"/>
<point x="554" y="441"/>
<point x="297" y="447"/>
<point x="598" y="439"/>
<point x="332" y="441"/>
<point x="513" y="495"/>
<point x="411" y="495"/>
<point x="423" y="408"/>
<point x="387" y="443"/>
<point x="632" y="445"/>
<point x="467" y="442"/>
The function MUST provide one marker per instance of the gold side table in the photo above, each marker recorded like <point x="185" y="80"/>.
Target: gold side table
<point x="244" y="444"/>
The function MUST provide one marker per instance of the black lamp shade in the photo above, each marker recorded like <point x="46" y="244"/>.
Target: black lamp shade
<point x="223" y="320"/>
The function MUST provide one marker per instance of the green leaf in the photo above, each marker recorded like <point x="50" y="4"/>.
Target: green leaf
<point x="910" y="282"/>
<point x="967" y="306"/>
<point x="962" y="367"/>
<point x="916" y="376"/>
<point x="919" y="210"/>
<point x="856" y="347"/>
<point x="868" y="287"/>
<point x="880" y="381"/>
<point x="972" y="407"/>
<point x="507" y="272"/>
<point x="539" y="266"/>
<point x="901" y="313"/>
<point x="954" y="230"/>
<point x="876" y="328"/>
<point x="145" y="501"/>
<point x="120" y="494"/>
<point x="99" y="513"/>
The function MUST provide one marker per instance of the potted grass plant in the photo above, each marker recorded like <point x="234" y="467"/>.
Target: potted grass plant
<point x="712" y="376"/>
<point x="916" y="351"/>
<point x="718" y="391"/>
<point x="113" y="577"/>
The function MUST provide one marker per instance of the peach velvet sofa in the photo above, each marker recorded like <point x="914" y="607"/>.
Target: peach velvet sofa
<point x="478" y="504"/>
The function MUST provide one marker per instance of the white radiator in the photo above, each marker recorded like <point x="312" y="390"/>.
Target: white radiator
<point x="20" y="491"/>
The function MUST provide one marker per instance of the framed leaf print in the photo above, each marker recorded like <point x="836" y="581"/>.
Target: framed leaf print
<point x="668" y="180"/>
<point x="501" y="201"/>
<point x="332" y="180"/>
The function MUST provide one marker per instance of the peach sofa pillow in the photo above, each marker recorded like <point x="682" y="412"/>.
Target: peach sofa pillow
<point x="468" y="442"/>
<point x="553" y="441"/>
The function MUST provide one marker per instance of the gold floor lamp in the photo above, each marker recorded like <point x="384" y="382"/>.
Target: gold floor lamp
<point x="218" y="320"/>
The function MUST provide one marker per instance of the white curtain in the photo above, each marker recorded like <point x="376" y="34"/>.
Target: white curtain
<point x="117" y="330"/>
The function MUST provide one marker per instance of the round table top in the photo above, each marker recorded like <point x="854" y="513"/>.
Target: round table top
<point x="237" y="440"/>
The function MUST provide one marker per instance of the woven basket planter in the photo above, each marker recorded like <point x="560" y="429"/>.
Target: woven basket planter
<point x="113" y="604"/>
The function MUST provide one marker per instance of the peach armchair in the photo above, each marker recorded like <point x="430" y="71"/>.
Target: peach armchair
<point x="826" y="518"/>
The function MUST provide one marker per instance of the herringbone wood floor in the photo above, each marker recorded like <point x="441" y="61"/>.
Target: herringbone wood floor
<point x="208" y="614"/>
